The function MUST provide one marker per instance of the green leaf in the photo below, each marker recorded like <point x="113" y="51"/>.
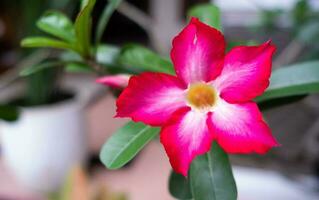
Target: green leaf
<point x="142" y="58"/>
<point x="107" y="54"/>
<point x="301" y="13"/>
<point x="46" y="42"/>
<point x="105" y="17"/>
<point x="39" y="67"/>
<point x="179" y="186"/>
<point x="297" y="79"/>
<point x="84" y="3"/>
<point x="211" y="176"/>
<point x="71" y="56"/>
<point x="207" y="13"/>
<point x="9" y="113"/>
<point x="125" y="143"/>
<point x="274" y="103"/>
<point x="78" y="67"/>
<point x="83" y="25"/>
<point x="57" y="24"/>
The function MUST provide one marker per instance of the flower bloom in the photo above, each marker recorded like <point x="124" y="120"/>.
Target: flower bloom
<point x="209" y="99"/>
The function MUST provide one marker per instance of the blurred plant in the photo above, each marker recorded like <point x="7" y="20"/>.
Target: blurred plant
<point x="79" y="53"/>
<point x="29" y="14"/>
<point x="269" y="20"/>
<point x="288" y="84"/>
<point x="82" y="55"/>
<point x="36" y="94"/>
<point x="79" y="187"/>
<point x="303" y="29"/>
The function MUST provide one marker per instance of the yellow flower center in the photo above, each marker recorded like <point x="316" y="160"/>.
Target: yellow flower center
<point x="201" y="95"/>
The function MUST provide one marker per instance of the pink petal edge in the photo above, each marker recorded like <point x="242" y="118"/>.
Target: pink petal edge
<point x="185" y="136"/>
<point x="246" y="72"/>
<point x="151" y="98"/>
<point x="239" y="128"/>
<point x="114" y="81"/>
<point x="198" y="52"/>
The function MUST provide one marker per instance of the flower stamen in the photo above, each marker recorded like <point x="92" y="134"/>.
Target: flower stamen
<point x="201" y="95"/>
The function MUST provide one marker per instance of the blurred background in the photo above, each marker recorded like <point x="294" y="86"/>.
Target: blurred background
<point x="288" y="172"/>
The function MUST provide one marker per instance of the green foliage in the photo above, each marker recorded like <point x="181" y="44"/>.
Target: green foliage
<point x="211" y="176"/>
<point x="269" y="20"/>
<point x="73" y="37"/>
<point x="46" y="42"/>
<point x="43" y="87"/>
<point x="38" y="67"/>
<point x="207" y="13"/>
<point x="83" y="27"/>
<point x="57" y="24"/>
<point x="144" y="59"/>
<point x="274" y="103"/>
<point x="73" y="62"/>
<point x="78" y="67"/>
<point x="297" y="79"/>
<point x="9" y="113"/>
<point x="125" y="143"/>
<point x="301" y="12"/>
<point x="107" y="54"/>
<point x="179" y="186"/>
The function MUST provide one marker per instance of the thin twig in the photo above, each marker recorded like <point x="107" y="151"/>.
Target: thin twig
<point x="136" y="15"/>
<point x="289" y="54"/>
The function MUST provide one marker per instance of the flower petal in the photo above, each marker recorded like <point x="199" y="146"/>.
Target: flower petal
<point x="246" y="72"/>
<point x="239" y="128"/>
<point x="185" y="136"/>
<point x="198" y="52"/>
<point x="151" y="98"/>
<point x="115" y="81"/>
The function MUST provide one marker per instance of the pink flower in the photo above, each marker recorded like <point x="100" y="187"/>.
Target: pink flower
<point x="209" y="99"/>
<point x="115" y="81"/>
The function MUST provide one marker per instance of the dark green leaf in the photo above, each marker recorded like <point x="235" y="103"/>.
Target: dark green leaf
<point x="274" y="103"/>
<point x="83" y="25"/>
<point x="9" y="113"/>
<point x="232" y="44"/>
<point x="46" y="42"/>
<point x="107" y="54"/>
<point x="297" y="79"/>
<point x="38" y="67"/>
<point x="211" y="176"/>
<point x="78" y="67"/>
<point x="125" y="143"/>
<point x="179" y="186"/>
<point x="105" y="17"/>
<point x="207" y="13"/>
<point x="301" y="12"/>
<point x="43" y="87"/>
<point x="144" y="59"/>
<point x="57" y="24"/>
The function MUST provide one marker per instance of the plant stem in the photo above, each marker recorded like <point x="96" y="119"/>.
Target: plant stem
<point x="138" y="16"/>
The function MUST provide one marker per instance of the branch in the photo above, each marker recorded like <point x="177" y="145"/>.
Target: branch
<point x="136" y="15"/>
<point x="289" y="54"/>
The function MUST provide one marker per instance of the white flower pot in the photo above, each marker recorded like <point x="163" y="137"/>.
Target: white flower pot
<point x="44" y="143"/>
